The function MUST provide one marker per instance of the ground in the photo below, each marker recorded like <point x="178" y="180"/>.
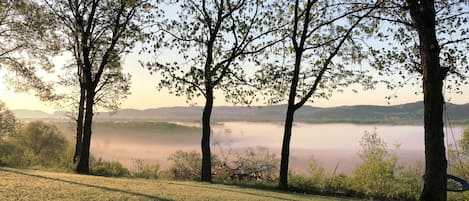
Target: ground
<point x="16" y="184"/>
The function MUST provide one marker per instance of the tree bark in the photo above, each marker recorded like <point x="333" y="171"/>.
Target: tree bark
<point x="83" y="164"/>
<point x="423" y="15"/>
<point x="283" y="180"/>
<point x="80" y="116"/>
<point x="205" y="143"/>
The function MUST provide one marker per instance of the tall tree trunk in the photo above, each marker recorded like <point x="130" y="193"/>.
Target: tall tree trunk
<point x="83" y="164"/>
<point x="423" y="15"/>
<point x="205" y="143"/>
<point x="79" y="137"/>
<point x="283" y="181"/>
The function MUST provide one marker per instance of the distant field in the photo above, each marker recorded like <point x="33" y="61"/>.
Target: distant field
<point x="39" y="185"/>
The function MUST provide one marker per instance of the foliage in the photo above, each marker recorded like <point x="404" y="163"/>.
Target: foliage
<point x="458" y="161"/>
<point x="185" y="165"/>
<point x="212" y="38"/>
<point x="395" y="52"/>
<point x="108" y="168"/>
<point x="318" y="182"/>
<point x="378" y="177"/>
<point x="464" y="143"/>
<point x="37" y="145"/>
<point x="339" y="185"/>
<point x="375" y="176"/>
<point x="8" y="122"/>
<point x="253" y="164"/>
<point x="145" y="170"/>
<point x="28" y="41"/>
<point x="98" y="34"/>
<point x="318" y="55"/>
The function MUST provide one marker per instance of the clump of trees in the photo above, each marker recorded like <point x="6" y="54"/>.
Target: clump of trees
<point x="35" y="144"/>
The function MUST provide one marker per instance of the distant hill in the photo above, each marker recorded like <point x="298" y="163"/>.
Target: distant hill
<point x="409" y="113"/>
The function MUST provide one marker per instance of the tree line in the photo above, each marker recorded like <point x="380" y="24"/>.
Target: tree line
<point x="249" y="50"/>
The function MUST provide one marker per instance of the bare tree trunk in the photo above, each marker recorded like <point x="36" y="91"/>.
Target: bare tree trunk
<point x="423" y="15"/>
<point x="205" y="143"/>
<point x="83" y="164"/>
<point x="79" y="138"/>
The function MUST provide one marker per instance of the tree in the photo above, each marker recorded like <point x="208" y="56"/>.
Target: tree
<point x="212" y="37"/>
<point x="27" y="43"/>
<point x="98" y="33"/>
<point x="114" y="88"/>
<point x="39" y="144"/>
<point x="8" y="122"/>
<point x="318" y="32"/>
<point x="427" y="38"/>
<point x="376" y="176"/>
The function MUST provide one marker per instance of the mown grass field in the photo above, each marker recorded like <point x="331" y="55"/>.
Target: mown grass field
<point x="29" y="185"/>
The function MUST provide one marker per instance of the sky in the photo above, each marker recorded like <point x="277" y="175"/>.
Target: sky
<point x="145" y="94"/>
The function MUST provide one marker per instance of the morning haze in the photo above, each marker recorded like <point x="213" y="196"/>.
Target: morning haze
<point x="234" y="100"/>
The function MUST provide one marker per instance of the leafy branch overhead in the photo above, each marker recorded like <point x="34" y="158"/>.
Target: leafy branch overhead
<point x="395" y="52"/>
<point x="28" y="42"/>
<point x="212" y="40"/>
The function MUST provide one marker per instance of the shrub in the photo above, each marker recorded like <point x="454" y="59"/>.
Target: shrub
<point x="379" y="177"/>
<point x="313" y="183"/>
<point x="185" y="165"/>
<point x="108" y="169"/>
<point x="303" y="184"/>
<point x="8" y="122"/>
<point x="338" y="185"/>
<point x="253" y="164"/>
<point x="145" y="170"/>
<point x="37" y="144"/>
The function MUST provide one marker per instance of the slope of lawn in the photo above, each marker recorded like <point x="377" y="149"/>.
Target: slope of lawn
<point x="16" y="184"/>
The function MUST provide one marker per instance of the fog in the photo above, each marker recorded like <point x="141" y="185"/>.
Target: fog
<point x="331" y="144"/>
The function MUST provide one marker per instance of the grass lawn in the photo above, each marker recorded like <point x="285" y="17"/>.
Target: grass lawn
<point x="16" y="184"/>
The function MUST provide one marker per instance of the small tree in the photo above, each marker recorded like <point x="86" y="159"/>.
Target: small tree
<point x="40" y="144"/>
<point x="98" y="33"/>
<point x="307" y="66"/>
<point x="212" y="37"/>
<point x="375" y="177"/>
<point x="8" y="122"/>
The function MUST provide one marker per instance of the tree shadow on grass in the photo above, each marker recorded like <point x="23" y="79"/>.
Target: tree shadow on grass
<point x="89" y="185"/>
<point x="240" y="191"/>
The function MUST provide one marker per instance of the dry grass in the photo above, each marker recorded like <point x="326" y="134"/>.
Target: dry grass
<point x="30" y="185"/>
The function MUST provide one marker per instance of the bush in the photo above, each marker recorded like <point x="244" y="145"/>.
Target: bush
<point x="314" y="183"/>
<point x="338" y="185"/>
<point x="108" y="169"/>
<point x="254" y="164"/>
<point x="145" y="170"/>
<point x="185" y="165"/>
<point x="36" y="145"/>
<point x="303" y="184"/>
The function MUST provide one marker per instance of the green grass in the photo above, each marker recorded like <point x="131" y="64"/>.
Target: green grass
<point x="28" y="185"/>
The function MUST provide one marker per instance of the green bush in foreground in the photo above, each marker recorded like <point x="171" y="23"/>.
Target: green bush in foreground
<point x="37" y="144"/>
<point x="108" y="168"/>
